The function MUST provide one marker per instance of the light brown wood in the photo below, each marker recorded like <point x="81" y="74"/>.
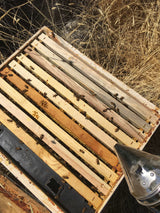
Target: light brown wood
<point x="18" y="197"/>
<point x="82" y="93"/>
<point x="134" y="104"/>
<point x="57" y="115"/>
<point x="101" y="71"/>
<point x="38" y="130"/>
<point x="29" y="184"/>
<point x="101" y="94"/>
<point x="38" y="115"/>
<point x="8" y="206"/>
<point x="107" y="140"/>
<point x="72" y="180"/>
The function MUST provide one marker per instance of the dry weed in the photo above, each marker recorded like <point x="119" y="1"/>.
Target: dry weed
<point x="120" y="35"/>
<point x="123" y="37"/>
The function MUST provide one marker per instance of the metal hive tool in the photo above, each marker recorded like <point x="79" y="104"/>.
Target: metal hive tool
<point x="70" y="112"/>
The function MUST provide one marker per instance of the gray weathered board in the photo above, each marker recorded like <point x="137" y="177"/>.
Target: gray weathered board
<point x="81" y="111"/>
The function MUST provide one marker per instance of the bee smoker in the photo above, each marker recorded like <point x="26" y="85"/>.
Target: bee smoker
<point x="142" y="173"/>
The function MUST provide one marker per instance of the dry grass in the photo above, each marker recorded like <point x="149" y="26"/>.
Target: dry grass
<point x="120" y="35"/>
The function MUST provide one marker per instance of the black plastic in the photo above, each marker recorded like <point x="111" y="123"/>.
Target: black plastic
<point x="56" y="188"/>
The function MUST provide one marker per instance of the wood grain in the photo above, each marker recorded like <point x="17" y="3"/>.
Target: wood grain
<point x="72" y="180"/>
<point x="108" y="126"/>
<point x="25" y="202"/>
<point x="38" y="115"/>
<point x="118" y="83"/>
<point x="29" y="184"/>
<point x="75" y="129"/>
<point x="81" y="92"/>
<point x="88" y="84"/>
<point x="63" y="121"/>
<point x="90" y="73"/>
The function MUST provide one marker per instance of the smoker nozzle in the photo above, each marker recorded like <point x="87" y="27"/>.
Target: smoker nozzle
<point x="142" y="173"/>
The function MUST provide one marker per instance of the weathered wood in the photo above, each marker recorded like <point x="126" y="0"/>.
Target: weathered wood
<point x="17" y="196"/>
<point x="101" y="94"/>
<point x="50" y="125"/>
<point x="92" y="143"/>
<point x="105" y="139"/>
<point x="72" y="180"/>
<point x="43" y="29"/>
<point x="90" y="73"/>
<point x="61" y="118"/>
<point x="100" y="70"/>
<point x="8" y="206"/>
<point x="82" y="93"/>
<point x="29" y="184"/>
<point x="85" y="108"/>
<point x="77" y="87"/>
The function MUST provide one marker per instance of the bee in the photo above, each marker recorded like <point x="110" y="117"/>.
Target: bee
<point x="111" y="119"/>
<point x="65" y="177"/>
<point x="18" y="148"/>
<point x="117" y="110"/>
<point x="45" y="94"/>
<point x="55" y="95"/>
<point x="122" y="98"/>
<point x="44" y="103"/>
<point x="10" y="120"/>
<point x="107" y="109"/>
<point x="41" y="136"/>
<point x="53" y="142"/>
<point x="79" y="96"/>
<point x="24" y="91"/>
<point x="98" y="162"/>
<point x="81" y="150"/>
<point x="114" y="105"/>
<point x="4" y="77"/>
<point x="70" y="63"/>
<point x="84" y="113"/>
<point x="116" y="95"/>
<point x="117" y="129"/>
<point x="18" y="126"/>
<point x="28" y="80"/>
<point x="32" y="68"/>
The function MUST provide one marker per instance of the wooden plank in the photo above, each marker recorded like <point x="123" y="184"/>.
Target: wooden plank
<point x="59" y="116"/>
<point x="50" y="125"/>
<point x="29" y="184"/>
<point x="64" y="92"/>
<point x="17" y="196"/>
<point x="90" y="73"/>
<point x="72" y="180"/>
<point x="8" y="206"/>
<point x="100" y="70"/>
<point x="101" y="94"/>
<point x="43" y="29"/>
<point x="84" y="94"/>
<point x="121" y="136"/>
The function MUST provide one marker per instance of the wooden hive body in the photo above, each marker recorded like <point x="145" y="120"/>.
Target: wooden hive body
<point x="70" y="113"/>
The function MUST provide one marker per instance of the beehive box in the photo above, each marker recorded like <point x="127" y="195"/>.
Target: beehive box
<point x="61" y="115"/>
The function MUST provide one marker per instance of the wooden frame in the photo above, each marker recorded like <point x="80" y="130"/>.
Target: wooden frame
<point x="51" y="91"/>
<point x="19" y="197"/>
